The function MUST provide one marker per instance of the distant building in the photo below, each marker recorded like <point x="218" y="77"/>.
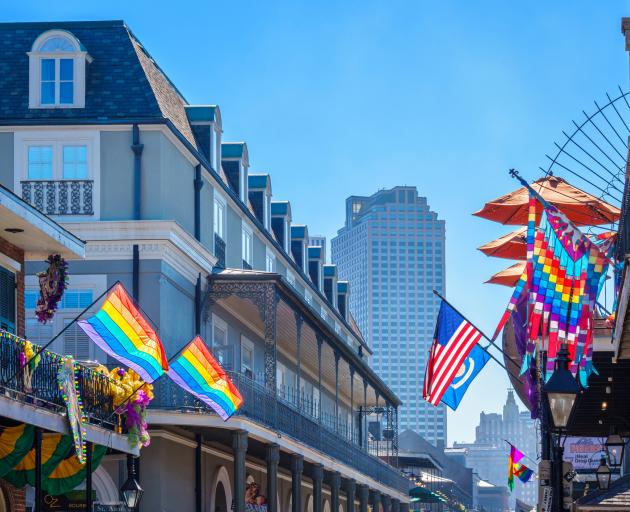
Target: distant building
<point x="391" y="249"/>
<point x="487" y="456"/>
<point x="318" y="241"/>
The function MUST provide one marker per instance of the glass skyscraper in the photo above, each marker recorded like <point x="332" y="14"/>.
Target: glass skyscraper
<point x="392" y="251"/>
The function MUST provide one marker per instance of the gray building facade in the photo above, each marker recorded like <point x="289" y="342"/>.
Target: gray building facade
<point x="94" y="134"/>
<point x="391" y="249"/>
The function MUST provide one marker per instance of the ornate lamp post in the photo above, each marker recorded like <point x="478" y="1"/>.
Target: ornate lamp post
<point x="614" y="447"/>
<point x="131" y="490"/>
<point x="561" y="391"/>
<point x="603" y="475"/>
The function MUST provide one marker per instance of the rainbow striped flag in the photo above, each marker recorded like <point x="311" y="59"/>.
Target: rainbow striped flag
<point x="121" y="331"/>
<point x="515" y="468"/>
<point x="196" y="371"/>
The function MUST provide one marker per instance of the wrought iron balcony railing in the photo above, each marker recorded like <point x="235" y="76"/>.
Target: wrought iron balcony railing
<point x="60" y="197"/>
<point x="219" y="250"/>
<point x="40" y="387"/>
<point x="263" y="406"/>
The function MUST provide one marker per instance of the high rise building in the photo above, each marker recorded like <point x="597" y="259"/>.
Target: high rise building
<point x="391" y="249"/>
<point x="487" y="456"/>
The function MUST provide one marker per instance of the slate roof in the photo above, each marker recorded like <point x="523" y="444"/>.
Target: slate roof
<point x="617" y="495"/>
<point x="123" y="82"/>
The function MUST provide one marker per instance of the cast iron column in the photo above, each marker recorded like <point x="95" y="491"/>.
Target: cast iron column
<point x="88" y="475"/>
<point x="298" y="343"/>
<point x="364" y="498"/>
<point x="335" y="485"/>
<point x="273" y="458"/>
<point x="239" y="446"/>
<point x="395" y="505"/>
<point x="352" y="436"/>
<point x="297" y="465"/>
<point x="318" y="477"/>
<point x="319" y="376"/>
<point x="38" y="470"/>
<point x="198" y="479"/>
<point x="336" y="394"/>
<point x="269" y="316"/>
<point x="376" y="500"/>
<point x="351" y="490"/>
<point x="387" y="503"/>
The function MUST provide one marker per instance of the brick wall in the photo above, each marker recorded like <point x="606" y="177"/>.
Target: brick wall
<point x="17" y="254"/>
<point x="15" y="499"/>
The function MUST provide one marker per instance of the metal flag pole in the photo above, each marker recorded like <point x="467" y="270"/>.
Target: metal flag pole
<point x="60" y="333"/>
<point x="517" y="376"/>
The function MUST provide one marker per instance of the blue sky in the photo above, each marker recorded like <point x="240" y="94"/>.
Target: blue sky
<point x="340" y="98"/>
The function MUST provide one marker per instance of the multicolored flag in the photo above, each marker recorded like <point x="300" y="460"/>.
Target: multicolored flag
<point x="515" y="468"/>
<point x="198" y="372"/>
<point x="121" y="331"/>
<point x="454" y="339"/>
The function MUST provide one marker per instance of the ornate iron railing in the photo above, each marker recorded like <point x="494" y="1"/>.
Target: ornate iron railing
<point x="39" y="386"/>
<point x="60" y="197"/>
<point x="219" y="250"/>
<point x="263" y="406"/>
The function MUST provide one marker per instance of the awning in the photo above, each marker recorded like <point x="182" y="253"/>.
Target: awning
<point x="580" y="207"/>
<point x="512" y="246"/>
<point x="509" y="276"/>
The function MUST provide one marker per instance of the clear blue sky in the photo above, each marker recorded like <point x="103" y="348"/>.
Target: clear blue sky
<point x="340" y="98"/>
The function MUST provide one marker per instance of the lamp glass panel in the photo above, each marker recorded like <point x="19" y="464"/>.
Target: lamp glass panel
<point x="561" y="405"/>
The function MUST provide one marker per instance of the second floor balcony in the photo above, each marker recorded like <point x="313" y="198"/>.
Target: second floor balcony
<point x="60" y="197"/>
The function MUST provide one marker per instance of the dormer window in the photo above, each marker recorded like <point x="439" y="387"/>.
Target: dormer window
<point x="57" y="71"/>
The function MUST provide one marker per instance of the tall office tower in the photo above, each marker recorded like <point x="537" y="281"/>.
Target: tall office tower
<point x="392" y="251"/>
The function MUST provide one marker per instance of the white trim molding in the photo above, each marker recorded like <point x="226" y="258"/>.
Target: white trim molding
<point x="157" y="240"/>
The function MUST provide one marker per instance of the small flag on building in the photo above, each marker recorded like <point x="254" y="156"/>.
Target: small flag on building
<point x="121" y="331"/>
<point x="198" y="372"/>
<point x="515" y="468"/>
<point x="449" y="364"/>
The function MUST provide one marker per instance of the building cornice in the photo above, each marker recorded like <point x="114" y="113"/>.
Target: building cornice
<point x="156" y="239"/>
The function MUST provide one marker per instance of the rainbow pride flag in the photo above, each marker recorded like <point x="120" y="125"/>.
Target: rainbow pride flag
<point x="196" y="371"/>
<point x="516" y="468"/>
<point x="121" y="331"/>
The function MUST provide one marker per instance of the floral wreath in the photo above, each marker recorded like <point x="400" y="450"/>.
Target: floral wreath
<point x="52" y="284"/>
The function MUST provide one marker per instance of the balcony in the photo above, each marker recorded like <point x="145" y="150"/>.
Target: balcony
<point x="61" y="197"/>
<point x="262" y="406"/>
<point x="219" y="250"/>
<point x="41" y="389"/>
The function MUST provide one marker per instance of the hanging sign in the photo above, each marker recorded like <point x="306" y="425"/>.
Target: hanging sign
<point x="583" y="452"/>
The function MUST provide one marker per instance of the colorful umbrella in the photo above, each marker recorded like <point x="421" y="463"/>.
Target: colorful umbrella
<point x="512" y="246"/>
<point x="509" y="276"/>
<point x="581" y="208"/>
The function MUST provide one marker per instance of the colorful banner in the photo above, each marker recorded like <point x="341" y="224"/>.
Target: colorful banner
<point x="66" y="379"/>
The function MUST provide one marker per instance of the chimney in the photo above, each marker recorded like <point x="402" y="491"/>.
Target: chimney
<point x="330" y="284"/>
<point x="205" y="123"/>
<point x="235" y="162"/>
<point x="315" y="261"/>
<point x="281" y="223"/>
<point x="343" y="297"/>
<point x="259" y="186"/>
<point x="299" y="242"/>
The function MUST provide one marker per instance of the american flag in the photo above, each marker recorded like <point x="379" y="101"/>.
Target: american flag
<point x="454" y="338"/>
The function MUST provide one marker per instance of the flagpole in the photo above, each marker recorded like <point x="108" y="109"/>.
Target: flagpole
<point x="60" y="333"/>
<point x="529" y="458"/>
<point x="486" y="337"/>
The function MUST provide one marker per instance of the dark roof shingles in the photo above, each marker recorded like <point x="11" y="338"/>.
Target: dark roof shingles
<point x="122" y="81"/>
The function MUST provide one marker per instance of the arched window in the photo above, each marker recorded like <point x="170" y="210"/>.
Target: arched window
<point x="57" y="71"/>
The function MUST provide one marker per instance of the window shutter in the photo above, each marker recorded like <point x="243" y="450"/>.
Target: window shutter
<point x="7" y="300"/>
<point x="38" y="333"/>
<point x="76" y="342"/>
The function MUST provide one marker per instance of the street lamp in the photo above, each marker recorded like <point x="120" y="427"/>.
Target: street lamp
<point x="603" y="475"/>
<point x="614" y="447"/>
<point x="562" y="390"/>
<point x="131" y="490"/>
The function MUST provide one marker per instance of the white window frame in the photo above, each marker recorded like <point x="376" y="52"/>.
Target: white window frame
<point x="270" y="260"/>
<point x="219" y="204"/>
<point x="247" y="244"/>
<point x="247" y="344"/>
<point x="97" y="283"/>
<point x="79" y="57"/>
<point x="22" y="140"/>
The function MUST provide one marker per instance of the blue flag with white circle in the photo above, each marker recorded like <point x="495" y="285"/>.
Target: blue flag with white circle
<point x="468" y="370"/>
